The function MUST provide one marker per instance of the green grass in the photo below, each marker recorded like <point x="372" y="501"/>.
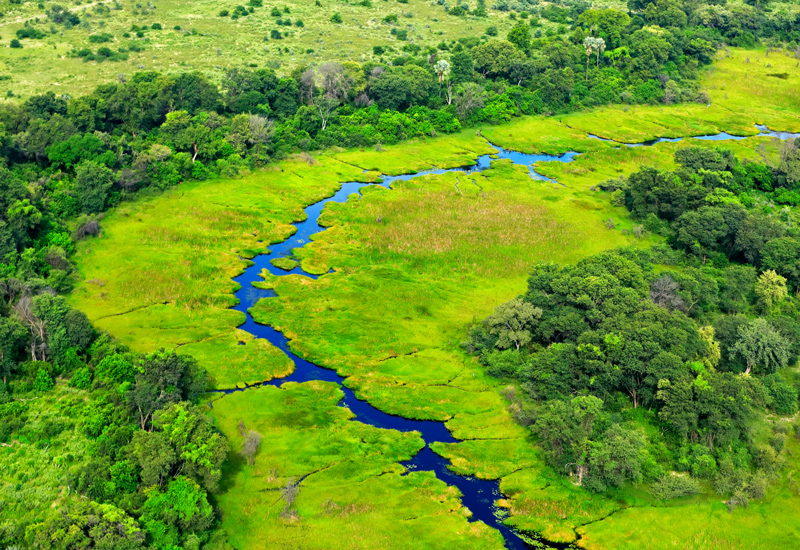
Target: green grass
<point x="352" y="493"/>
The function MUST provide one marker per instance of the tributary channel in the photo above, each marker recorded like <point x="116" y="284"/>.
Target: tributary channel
<point x="478" y="495"/>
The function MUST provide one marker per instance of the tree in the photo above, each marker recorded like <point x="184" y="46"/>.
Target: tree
<point x="13" y="338"/>
<point x="164" y="378"/>
<point x="442" y="69"/>
<point x="79" y="330"/>
<point x="493" y="57"/>
<point x="592" y="44"/>
<point x="155" y="456"/>
<point x="520" y="36"/>
<point x="325" y="107"/>
<point x="790" y="161"/>
<point x="185" y="133"/>
<point x="608" y="22"/>
<point x="513" y="323"/>
<point x="522" y="70"/>
<point x="336" y="81"/>
<point x="616" y="459"/>
<point x="678" y="408"/>
<point x="461" y="67"/>
<point x="664" y="292"/>
<point x="92" y="183"/>
<point x="763" y="349"/>
<point x="198" y="447"/>
<point x="336" y="18"/>
<point x="564" y="430"/>
<point x="700" y="231"/>
<point x="83" y="525"/>
<point x="23" y="218"/>
<point x="770" y="289"/>
<point x="469" y="98"/>
<point x="782" y="255"/>
<point x="250" y="446"/>
<point x="180" y="510"/>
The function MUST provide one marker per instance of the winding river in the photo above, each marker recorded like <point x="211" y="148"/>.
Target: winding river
<point x="479" y="496"/>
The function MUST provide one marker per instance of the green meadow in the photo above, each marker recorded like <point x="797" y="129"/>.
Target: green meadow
<point x="413" y="267"/>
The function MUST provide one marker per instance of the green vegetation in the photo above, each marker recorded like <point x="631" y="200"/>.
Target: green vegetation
<point x="637" y="360"/>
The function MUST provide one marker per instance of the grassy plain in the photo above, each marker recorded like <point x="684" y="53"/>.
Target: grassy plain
<point x="212" y="44"/>
<point x="413" y="267"/>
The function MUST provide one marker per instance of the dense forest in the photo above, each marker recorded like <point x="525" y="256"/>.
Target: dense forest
<point x="629" y="364"/>
<point x="632" y="364"/>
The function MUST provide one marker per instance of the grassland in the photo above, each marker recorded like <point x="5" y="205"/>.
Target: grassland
<point x="413" y="267"/>
<point x="212" y="44"/>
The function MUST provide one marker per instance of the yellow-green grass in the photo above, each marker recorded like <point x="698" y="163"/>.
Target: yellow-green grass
<point x="160" y="274"/>
<point x="220" y="43"/>
<point x="351" y="494"/>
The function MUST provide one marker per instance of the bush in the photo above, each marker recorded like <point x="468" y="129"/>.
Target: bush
<point x="29" y="32"/>
<point x="224" y="13"/>
<point x="336" y="18"/>
<point x="100" y="38"/>
<point x="15" y="43"/>
<point x="491" y="31"/>
<point x="43" y="382"/>
<point x="82" y="379"/>
<point x="156" y="26"/>
<point x="671" y="487"/>
<point x="783" y="394"/>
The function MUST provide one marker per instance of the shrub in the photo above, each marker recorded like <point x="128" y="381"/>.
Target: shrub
<point x="783" y="394"/>
<point x="156" y="26"/>
<point x="15" y="43"/>
<point x="491" y="31"/>
<point x="100" y="38"/>
<point x="82" y="379"/>
<point x="43" y="382"/>
<point x="336" y="18"/>
<point x="29" y="32"/>
<point x="674" y="486"/>
<point x="224" y="13"/>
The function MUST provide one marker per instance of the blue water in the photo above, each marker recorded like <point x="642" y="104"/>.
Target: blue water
<point x="477" y="495"/>
<point x="763" y="131"/>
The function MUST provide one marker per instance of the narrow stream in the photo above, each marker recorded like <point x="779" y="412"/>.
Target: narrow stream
<point x="479" y="496"/>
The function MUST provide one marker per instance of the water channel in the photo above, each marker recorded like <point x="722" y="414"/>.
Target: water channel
<point x="479" y="496"/>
